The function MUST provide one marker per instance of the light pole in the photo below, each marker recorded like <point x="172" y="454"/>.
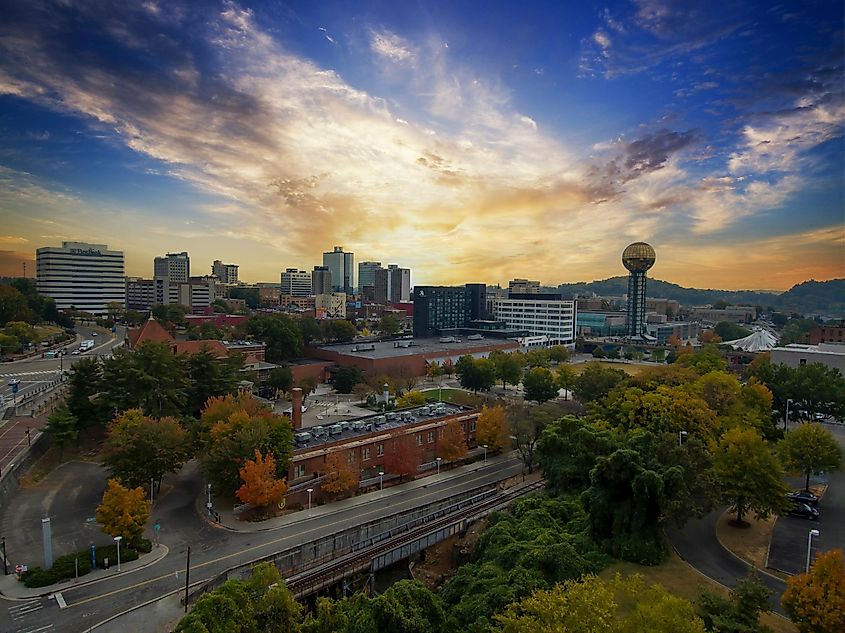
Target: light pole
<point x="381" y="480"/>
<point x="309" y="491"/>
<point x="118" y="538"/>
<point x="786" y="413"/>
<point x="152" y="484"/>
<point x="439" y="459"/>
<point x="809" y="545"/>
<point x="5" y="564"/>
<point x="484" y="446"/>
<point x="208" y="503"/>
<point x="681" y="436"/>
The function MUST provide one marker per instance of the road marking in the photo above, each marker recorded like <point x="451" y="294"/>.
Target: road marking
<point x="19" y="611"/>
<point x="40" y="628"/>
<point x="60" y="600"/>
<point x="437" y="492"/>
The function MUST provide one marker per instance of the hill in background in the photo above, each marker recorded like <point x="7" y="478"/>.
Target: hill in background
<point x="809" y="297"/>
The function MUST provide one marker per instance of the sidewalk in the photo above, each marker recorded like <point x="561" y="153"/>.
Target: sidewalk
<point x="229" y="522"/>
<point x="13" y="589"/>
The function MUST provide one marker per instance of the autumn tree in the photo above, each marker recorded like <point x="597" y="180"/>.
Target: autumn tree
<point x="139" y="449"/>
<point x="815" y="601"/>
<point x="401" y="458"/>
<point x="63" y="427"/>
<point x="123" y="511"/>
<point x="566" y="379"/>
<point x="261" y="488"/>
<point x="492" y="428"/>
<point x="810" y="449"/>
<point x="410" y="399"/>
<point x="340" y="476"/>
<point x="452" y="444"/>
<point x="750" y="476"/>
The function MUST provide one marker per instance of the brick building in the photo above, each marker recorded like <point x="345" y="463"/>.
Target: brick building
<point x="828" y="334"/>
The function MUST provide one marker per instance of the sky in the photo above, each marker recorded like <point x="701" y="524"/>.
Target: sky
<point x="469" y="141"/>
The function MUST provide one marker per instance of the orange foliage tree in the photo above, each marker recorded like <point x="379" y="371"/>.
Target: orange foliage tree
<point x="492" y="428"/>
<point x="402" y="458"/>
<point x="816" y="601"/>
<point x="124" y="511"/>
<point x="340" y="476"/>
<point x="452" y="445"/>
<point x="260" y="487"/>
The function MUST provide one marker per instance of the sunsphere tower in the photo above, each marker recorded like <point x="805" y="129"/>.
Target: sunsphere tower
<point x="637" y="258"/>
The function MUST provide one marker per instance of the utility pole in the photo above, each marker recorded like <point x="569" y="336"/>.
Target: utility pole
<point x="187" y="577"/>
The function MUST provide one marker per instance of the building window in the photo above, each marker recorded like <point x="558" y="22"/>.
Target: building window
<point x="802" y="361"/>
<point x="419" y="439"/>
<point x="472" y="425"/>
<point x="365" y="453"/>
<point x="379" y="450"/>
<point x="350" y="457"/>
<point x="298" y="471"/>
<point x="430" y="437"/>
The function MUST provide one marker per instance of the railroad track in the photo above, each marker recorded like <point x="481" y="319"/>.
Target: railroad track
<point x="307" y="582"/>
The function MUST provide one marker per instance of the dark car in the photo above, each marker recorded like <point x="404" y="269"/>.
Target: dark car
<point x="803" y="496"/>
<point x="804" y="511"/>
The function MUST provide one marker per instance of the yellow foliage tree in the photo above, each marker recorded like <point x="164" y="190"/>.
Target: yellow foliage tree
<point x="260" y="487"/>
<point x="816" y="601"/>
<point x="410" y="399"/>
<point x="452" y="445"/>
<point x="123" y="511"/>
<point x="492" y="428"/>
<point x="340" y="477"/>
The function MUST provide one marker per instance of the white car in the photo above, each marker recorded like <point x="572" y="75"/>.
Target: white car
<point x="93" y="334"/>
<point x="75" y="352"/>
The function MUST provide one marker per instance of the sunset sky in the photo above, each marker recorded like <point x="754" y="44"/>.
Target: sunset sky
<point x="469" y="141"/>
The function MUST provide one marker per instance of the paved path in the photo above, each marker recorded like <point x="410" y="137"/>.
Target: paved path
<point x="13" y="438"/>
<point x="697" y="544"/>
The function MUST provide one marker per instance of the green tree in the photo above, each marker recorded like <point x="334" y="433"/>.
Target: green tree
<point x="508" y="367"/>
<point x="13" y="305"/>
<point x="345" y="378"/>
<point x="338" y="330"/>
<point x="810" y="449"/>
<point x="739" y="612"/>
<point x="559" y="353"/>
<point x="749" y="474"/>
<point x="566" y="379"/>
<point x="84" y="380"/>
<point x="596" y="381"/>
<point x="63" y="427"/>
<point x="569" y="449"/>
<point x="389" y="324"/>
<point x="281" y="378"/>
<point x="705" y="360"/>
<point x="280" y="333"/>
<point x="539" y="384"/>
<point x="9" y="344"/>
<point x="476" y="374"/>
<point x="139" y="449"/>
<point x="729" y="331"/>
<point x="170" y="315"/>
<point x="209" y="376"/>
<point x="540" y="357"/>
<point x="598" y="352"/>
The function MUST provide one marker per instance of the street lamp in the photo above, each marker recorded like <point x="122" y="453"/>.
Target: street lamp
<point x="118" y="538"/>
<point x="484" y="446"/>
<point x="809" y="544"/>
<point x="309" y="491"/>
<point x="208" y="503"/>
<point x="5" y="565"/>
<point x="786" y="413"/>
<point x="381" y="480"/>
<point x="439" y="459"/>
<point x="681" y="436"/>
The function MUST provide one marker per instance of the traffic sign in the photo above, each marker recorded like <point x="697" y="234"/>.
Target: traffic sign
<point x="14" y="387"/>
<point x="19" y="569"/>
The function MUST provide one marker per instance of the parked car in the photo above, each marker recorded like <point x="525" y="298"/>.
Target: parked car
<point x="803" y="496"/>
<point x="804" y="511"/>
<point x="75" y="352"/>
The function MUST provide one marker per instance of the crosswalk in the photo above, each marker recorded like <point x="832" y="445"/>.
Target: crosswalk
<point x="49" y="372"/>
<point x="24" y="611"/>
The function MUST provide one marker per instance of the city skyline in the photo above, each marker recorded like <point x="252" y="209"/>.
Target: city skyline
<point x="262" y="134"/>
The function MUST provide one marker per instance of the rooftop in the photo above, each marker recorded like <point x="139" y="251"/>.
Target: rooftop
<point x="413" y="346"/>
<point x="317" y="436"/>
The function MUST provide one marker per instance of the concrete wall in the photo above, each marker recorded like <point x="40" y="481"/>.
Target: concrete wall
<point x="10" y="477"/>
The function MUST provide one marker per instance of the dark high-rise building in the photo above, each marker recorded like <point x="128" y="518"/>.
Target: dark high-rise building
<point x="438" y="308"/>
<point x="476" y="298"/>
<point x="381" y="285"/>
<point x="342" y="267"/>
<point x="321" y="280"/>
<point x="637" y="258"/>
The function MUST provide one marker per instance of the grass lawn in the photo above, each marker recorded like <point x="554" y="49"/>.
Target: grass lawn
<point x="682" y="580"/>
<point x="629" y="368"/>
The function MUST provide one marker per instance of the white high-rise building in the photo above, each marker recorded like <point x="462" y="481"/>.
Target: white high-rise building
<point x="82" y="276"/>
<point x="342" y="267"/>
<point x="175" y="266"/>
<point x="226" y="273"/>
<point x="296" y="283"/>
<point x="398" y="284"/>
<point x="366" y="274"/>
<point x="543" y="315"/>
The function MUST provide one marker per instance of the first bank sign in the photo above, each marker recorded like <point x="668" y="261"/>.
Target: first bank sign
<point x="86" y="251"/>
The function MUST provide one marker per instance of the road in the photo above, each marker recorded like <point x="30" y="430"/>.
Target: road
<point x="214" y="550"/>
<point x="34" y="373"/>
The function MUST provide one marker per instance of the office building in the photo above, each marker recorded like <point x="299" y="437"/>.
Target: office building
<point x="330" y="306"/>
<point x="682" y="330"/>
<point x="637" y="258"/>
<point x="831" y="355"/>
<point x="381" y="285"/>
<point x="439" y="308"/>
<point x="342" y="267"/>
<point x="176" y="267"/>
<point x="296" y="282"/>
<point x="599" y="323"/>
<point x="226" y="273"/>
<point x="523" y="286"/>
<point x="476" y="297"/>
<point x="398" y="284"/>
<point x="366" y="274"/>
<point x="542" y="315"/>
<point x="321" y="280"/>
<point x="81" y="276"/>
<point x="140" y="294"/>
<point x="736" y="314"/>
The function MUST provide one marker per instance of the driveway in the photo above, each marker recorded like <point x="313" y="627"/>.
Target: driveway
<point x="68" y="496"/>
